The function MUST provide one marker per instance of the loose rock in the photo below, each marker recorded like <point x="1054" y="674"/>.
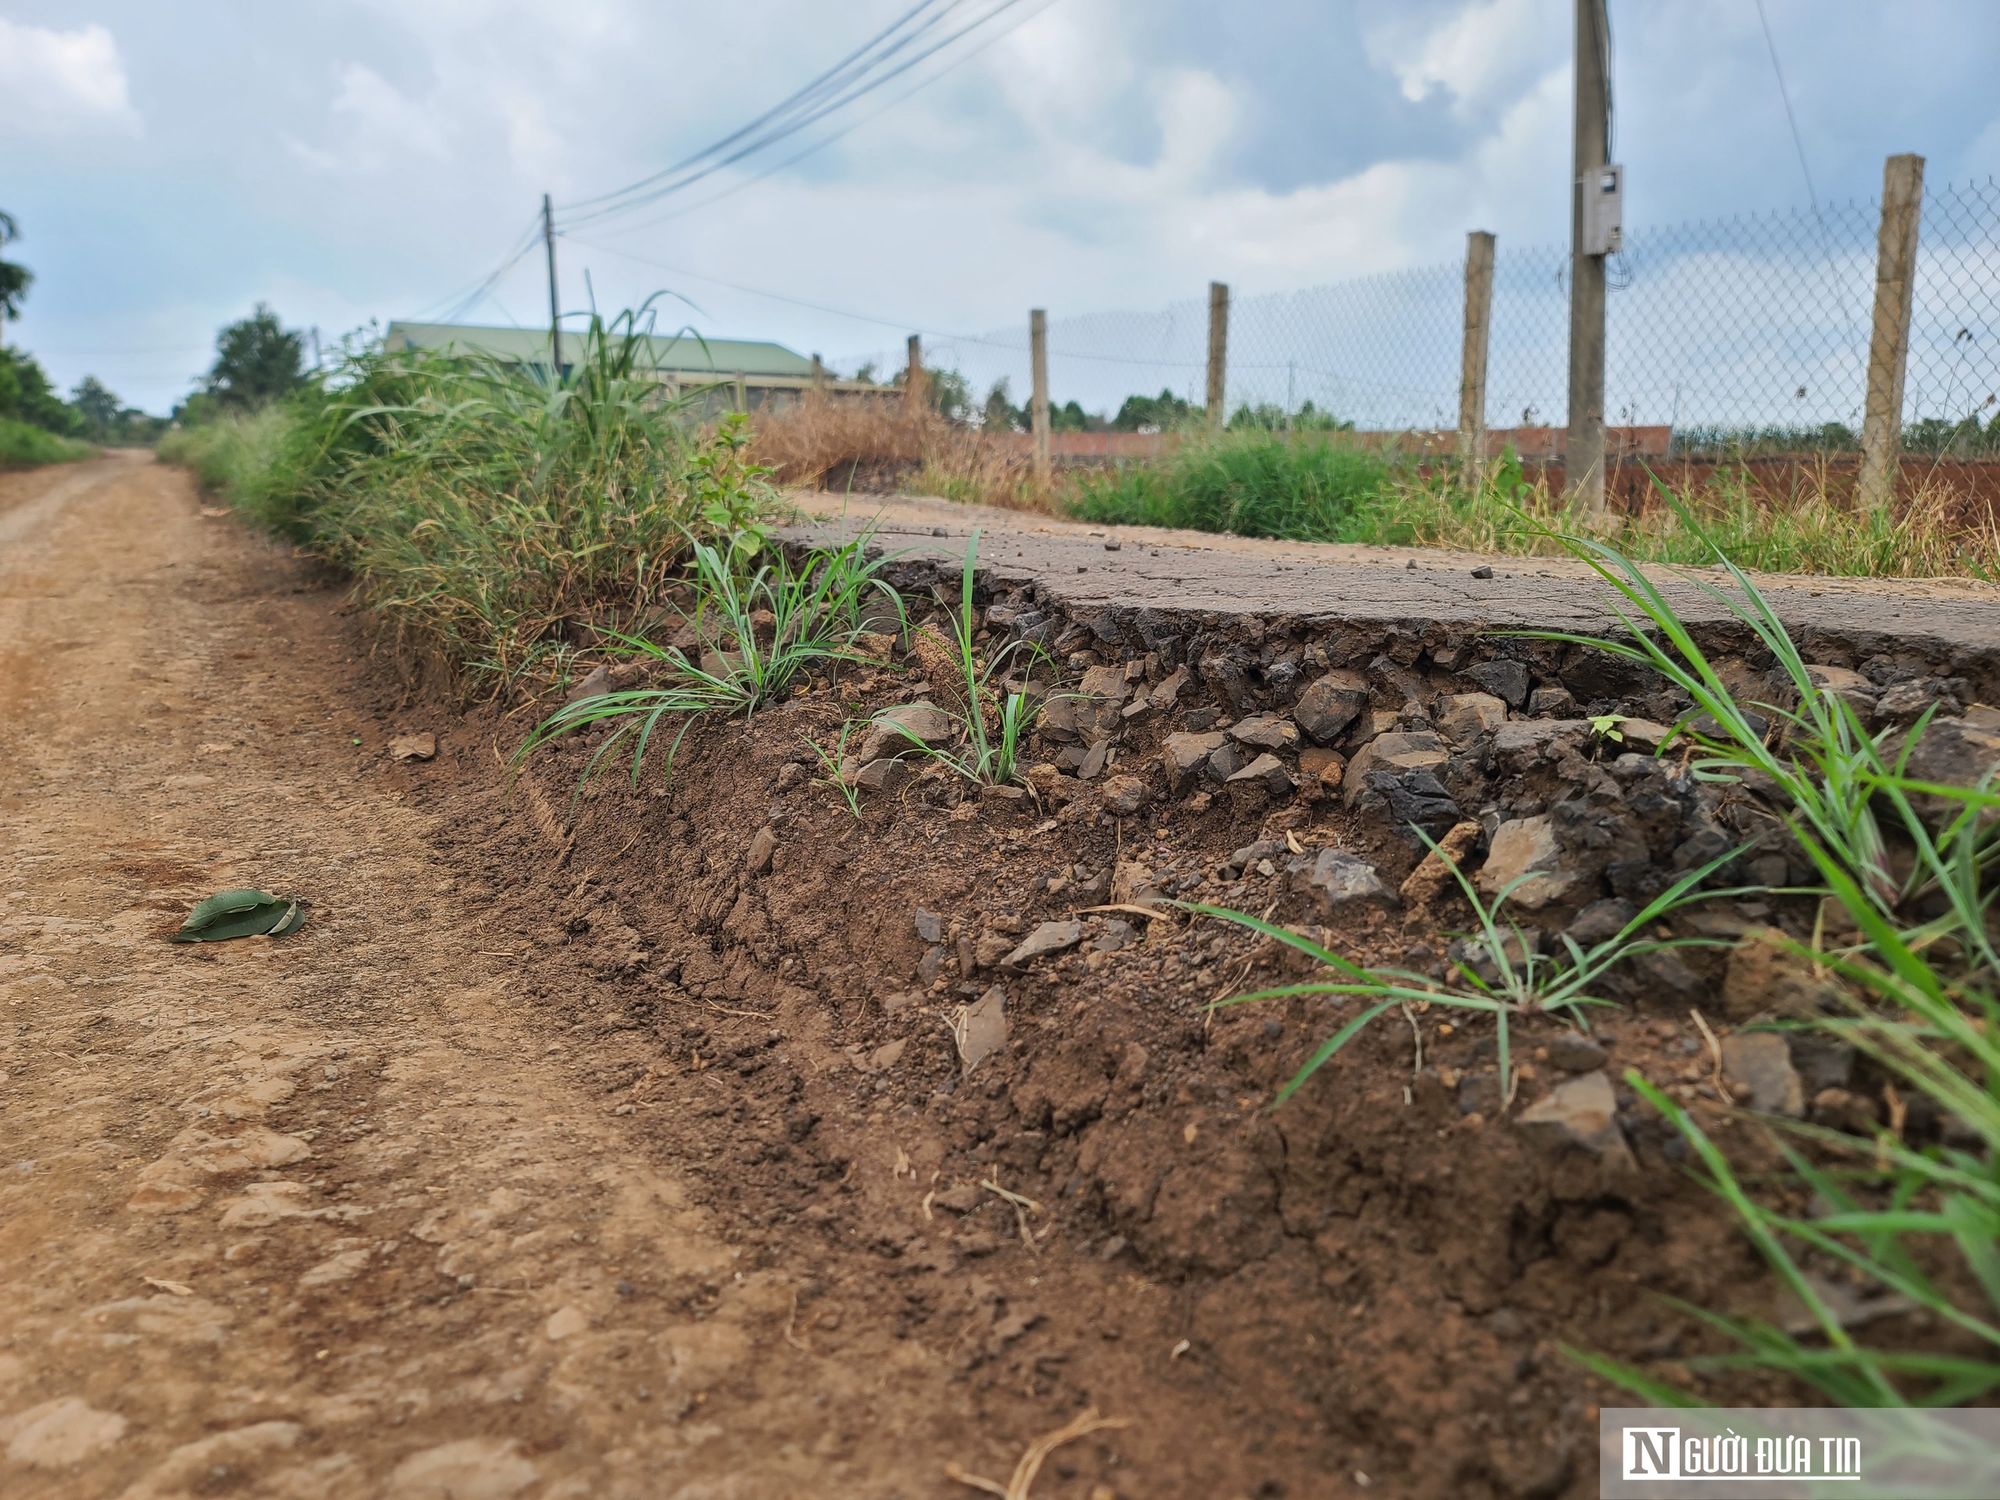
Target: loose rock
<point x="1329" y="705"/>
<point x="1268" y="772"/>
<point x="981" y="1028"/>
<point x="1123" y="796"/>
<point x="1582" y="1112"/>
<point x="1463" y="717"/>
<point x="1395" y="751"/>
<point x="1600" y="921"/>
<point x="1336" y="878"/>
<point x="1525" y="847"/>
<point x="1765" y="977"/>
<point x="1574" y="1052"/>
<point x="1761" y="1061"/>
<point x="1506" y="680"/>
<point x="1266" y="732"/>
<point x="407" y="747"/>
<point x="1186" y="754"/>
<point x="906" y="730"/>
<point x="1050" y="937"/>
<point x="1432" y="873"/>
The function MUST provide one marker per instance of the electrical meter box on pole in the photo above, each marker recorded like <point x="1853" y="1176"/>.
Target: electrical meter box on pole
<point x="1603" y="210"/>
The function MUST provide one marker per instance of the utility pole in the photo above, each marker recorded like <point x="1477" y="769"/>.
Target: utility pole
<point x="1583" y="462"/>
<point x="1218" y="355"/>
<point x="1038" y="400"/>
<point x="555" y="314"/>
<point x="1472" y="365"/>
<point x="1889" y="336"/>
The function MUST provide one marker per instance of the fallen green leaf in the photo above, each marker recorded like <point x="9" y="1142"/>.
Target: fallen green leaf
<point x="244" y="913"/>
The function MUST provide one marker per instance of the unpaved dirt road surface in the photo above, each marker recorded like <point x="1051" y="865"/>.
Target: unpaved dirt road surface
<point x="322" y="1217"/>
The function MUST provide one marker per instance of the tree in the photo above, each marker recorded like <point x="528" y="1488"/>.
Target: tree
<point x="1071" y="417"/>
<point x="999" y="414"/>
<point x="27" y="395"/>
<point x="1161" y="413"/>
<point x="14" y="278"/>
<point x="100" y="407"/>
<point x="257" y="360"/>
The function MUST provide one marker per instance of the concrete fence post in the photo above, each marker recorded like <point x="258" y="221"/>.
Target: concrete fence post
<point x="913" y="379"/>
<point x="1889" y="333"/>
<point x="819" y="376"/>
<point x="1038" y="400"/>
<point x="1218" y="355"/>
<point x="1472" y="368"/>
<point x="1583" y="447"/>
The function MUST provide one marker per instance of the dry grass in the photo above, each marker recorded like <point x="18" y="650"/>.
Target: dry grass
<point x="881" y="444"/>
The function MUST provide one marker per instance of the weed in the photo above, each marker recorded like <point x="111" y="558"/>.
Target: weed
<point x="990" y="729"/>
<point x="1524" y="981"/>
<point x="759" y="633"/>
<point x="1819" y="530"/>
<point x="832" y="762"/>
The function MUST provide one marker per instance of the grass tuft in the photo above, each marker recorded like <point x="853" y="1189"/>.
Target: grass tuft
<point x="23" y="445"/>
<point x="1246" y="483"/>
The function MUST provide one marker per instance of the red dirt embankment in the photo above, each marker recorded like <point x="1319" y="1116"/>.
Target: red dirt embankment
<point x="647" y="1154"/>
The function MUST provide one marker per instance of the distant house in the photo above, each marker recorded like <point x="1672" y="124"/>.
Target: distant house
<point x="729" y="374"/>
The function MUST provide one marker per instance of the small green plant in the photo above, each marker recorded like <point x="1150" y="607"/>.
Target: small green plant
<point x="761" y="632"/>
<point x="832" y="763"/>
<point x="731" y="494"/>
<point x="1523" y="981"/>
<point x="991" y="726"/>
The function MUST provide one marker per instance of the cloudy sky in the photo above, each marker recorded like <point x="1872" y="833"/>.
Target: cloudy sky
<point x="349" y="160"/>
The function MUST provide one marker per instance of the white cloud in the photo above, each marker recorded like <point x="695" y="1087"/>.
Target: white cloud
<point x="1479" y="55"/>
<point x="379" y="126"/>
<point x="62" y="83"/>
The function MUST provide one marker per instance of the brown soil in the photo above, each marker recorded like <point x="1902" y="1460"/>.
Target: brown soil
<point x="611" y="1161"/>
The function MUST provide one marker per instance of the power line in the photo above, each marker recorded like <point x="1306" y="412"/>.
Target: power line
<point x="791" y="101"/>
<point x="879" y="64"/>
<point x="1791" y="119"/>
<point x="841" y="133"/>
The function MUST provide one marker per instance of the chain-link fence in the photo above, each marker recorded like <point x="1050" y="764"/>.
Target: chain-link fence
<point x="1750" y="327"/>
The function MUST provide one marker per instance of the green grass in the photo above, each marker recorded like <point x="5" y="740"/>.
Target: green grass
<point x="1248" y="483"/>
<point x="991" y="726"/>
<point x="497" y="520"/>
<point x="1318" y="490"/>
<point x="25" y="446"/>
<point x="763" y="630"/>
<point x="1815" y="532"/>
<point x="251" y="459"/>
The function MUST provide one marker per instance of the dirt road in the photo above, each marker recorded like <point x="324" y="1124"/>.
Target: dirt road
<point x="328" y="1216"/>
